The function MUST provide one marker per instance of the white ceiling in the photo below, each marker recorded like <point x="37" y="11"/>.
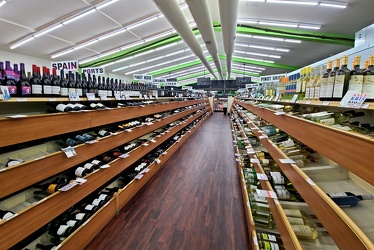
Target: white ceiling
<point x="20" y="19"/>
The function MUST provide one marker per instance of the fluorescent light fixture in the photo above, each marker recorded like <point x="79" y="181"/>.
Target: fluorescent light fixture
<point x="342" y="5"/>
<point x="269" y="38"/>
<point x="278" y="24"/>
<point x="88" y="59"/>
<point x="79" y="16"/>
<point x="134" y="71"/>
<point x="256" y="54"/>
<point x="159" y="36"/>
<point x="175" y="53"/>
<point x="306" y="26"/>
<point x="85" y="44"/>
<point x="244" y="35"/>
<point x="62" y="53"/>
<point x="144" y="53"/>
<point x="21" y="42"/>
<point x="293" y="2"/>
<point x="109" y="53"/>
<point x="144" y="21"/>
<point x="155" y="58"/>
<point x="48" y="30"/>
<point x="282" y="50"/>
<point x="292" y="41"/>
<point x="114" y="33"/>
<point x="247" y="21"/>
<point x="2" y="2"/>
<point x="120" y="68"/>
<point x="124" y="59"/>
<point x="136" y="64"/>
<point x="106" y="4"/>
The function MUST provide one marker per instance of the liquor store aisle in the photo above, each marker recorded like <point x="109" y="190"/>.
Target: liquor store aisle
<point x="193" y="202"/>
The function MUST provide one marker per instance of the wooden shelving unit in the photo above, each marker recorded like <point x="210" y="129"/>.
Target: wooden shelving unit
<point x="346" y="234"/>
<point x="350" y="150"/>
<point x="289" y="238"/>
<point x="38" y="214"/>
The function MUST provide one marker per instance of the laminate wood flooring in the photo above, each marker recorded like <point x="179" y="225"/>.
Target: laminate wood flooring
<point x="193" y="202"/>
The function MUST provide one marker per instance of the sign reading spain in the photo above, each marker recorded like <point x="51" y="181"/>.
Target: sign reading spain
<point x="66" y="65"/>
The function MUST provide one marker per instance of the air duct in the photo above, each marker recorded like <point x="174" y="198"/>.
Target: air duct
<point x="229" y="14"/>
<point x="174" y="15"/>
<point x="200" y="12"/>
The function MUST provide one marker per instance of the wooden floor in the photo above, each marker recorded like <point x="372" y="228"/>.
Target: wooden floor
<point x="193" y="202"/>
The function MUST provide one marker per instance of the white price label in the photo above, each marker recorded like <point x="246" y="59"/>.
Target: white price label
<point x="105" y="166"/>
<point x="255" y="242"/>
<point x="262" y="177"/>
<point x="146" y="170"/>
<point x="91" y="96"/>
<point x="154" y="141"/>
<point x="237" y="154"/>
<point x="128" y="130"/>
<point x="123" y="156"/>
<point x="308" y="102"/>
<point x="117" y="97"/>
<point x="103" y="97"/>
<point x="325" y="103"/>
<point x="255" y="161"/>
<point x="52" y="99"/>
<point x="80" y="180"/>
<point x="310" y="182"/>
<point x="287" y="161"/>
<point x="158" y="161"/>
<point x="21" y="99"/>
<point x="263" y="137"/>
<point x="266" y="193"/>
<point x="248" y="146"/>
<point x="251" y="151"/>
<point x="279" y="113"/>
<point x="164" y="153"/>
<point x="365" y="105"/>
<point x="92" y="142"/>
<point x="69" y="152"/>
<point x="238" y="160"/>
<point x="139" y="176"/>
<point x="145" y="144"/>
<point x="68" y="186"/>
<point x="16" y="116"/>
<point x="74" y="97"/>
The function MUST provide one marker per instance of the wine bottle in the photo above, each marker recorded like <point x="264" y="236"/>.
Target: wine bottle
<point x="91" y="166"/>
<point x="348" y="199"/>
<point x="71" y="83"/>
<point x="84" y="85"/>
<point x="342" y="77"/>
<point x="331" y="81"/>
<point x="60" y="230"/>
<point x="357" y="78"/>
<point x="12" y="162"/>
<point x="36" y="85"/>
<point x="52" y="186"/>
<point x="63" y="108"/>
<point x="78" y="84"/>
<point x="97" y="106"/>
<point x="89" y="208"/>
<point x="90" y="84"/>
<point x="109" y="90"/>
<point x="309" y="83"/>
<point x="95" y="85"/>
<point x="305" y="232"/>
<point x="368" y="85"/>
<point x="45" y="247"/>
<point x="23" y="85"/>
<point x="81" y="172"/>
<point x="269" y="241"/>
<point x="64" y="86"/>
<point x="73" y="106"/>
<point x="5" y="214"/>
<point x="317" y="84"/>
<point x="47" y="87"/>
<point x="9" y="79"/>
<point x="324" y="81"/>
<point x="55" y="83"/>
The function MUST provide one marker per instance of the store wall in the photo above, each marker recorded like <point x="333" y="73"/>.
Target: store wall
<point x="29" y="61"/>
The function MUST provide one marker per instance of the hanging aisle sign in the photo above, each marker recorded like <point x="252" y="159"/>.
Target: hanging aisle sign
<point x="65" y="65"/>
<point x="171" y="82"/>
<point x="243" y="80"/>
<point x="143" y="78"/>
<point x="187" y="87"/>
<point x="203" y="81"/>
<point x="94" y="71"/>
<point x="159" y="82"/>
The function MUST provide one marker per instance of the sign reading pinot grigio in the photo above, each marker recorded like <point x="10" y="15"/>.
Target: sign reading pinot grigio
<point x="203" y="81"/>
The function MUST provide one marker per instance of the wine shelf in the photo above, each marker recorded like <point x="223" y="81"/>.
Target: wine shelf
<point x="340" y="227"/>
<point x="42" y="212"/>
<point x="350" y="150"/>
<point x="289" y="238"/>
<point x="82" y="236"/>
<point x="23" y="175"/>
<point x="310" y="102"/>
<point x="23" y="129"/>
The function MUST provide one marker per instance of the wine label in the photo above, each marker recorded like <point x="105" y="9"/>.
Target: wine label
<point x="292" y="212"/>
<point x="96" y="202"/>
<point x="103" y="197"/>
<point x="79" y="216"/>
<point x="283" y="194"/>
<point x="89" y="166"/>
<point x="329" y="121"/>
<point x="307" y="91"/>
<point x="71" y="223"/>
<point x="47" y="89"/>
<point x="64" y="91"/>
<point x="96" y="162"/>
<point x="102" y="132"/>
<point x="330" y="86"/>
<point x="269" y="237"/>
<point x="356" y="82"/>
<point x="295" y="221"/>
<point x="62" y="229"/>
<point x="322" y="92"/>
<point x="303" y="231"/>
<point x="311" y="93"/>
<point x="8" y="215"/>
<point x="61" y="107"/>
<point x="368" y="86"/>
<point x="36" y="89"/>
<point x="26" y="90"/>
<point x="56" y="90"/>
<point x="338" y="86"/>
<point x="79" y="171"/>
<point x="52" y="188"/>
<point x="89" y="207"/>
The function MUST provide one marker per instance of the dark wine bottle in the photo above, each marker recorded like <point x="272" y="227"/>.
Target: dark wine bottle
<point x="84" y="85"/>
<point x="55" y="83"/>
<point x="23" y="85"/>
<point x="103" y="132"/>
<point x="90" y="84"/>
<point x="36" y="85"/>
<point x="47" y="87"/>
<point x="78" y="84"/>
<point x="9" y="79"/>
<point x="5" y="214"/>
<point x="60" y="230"/>
<point x="348" y="199"/>
<point x="89" y="208"/>
<point x="64" y="90"/>
<point x="109" y="89"/>
<point x="82" y="172"/>
<point x="63" y="108"/>
<point x="45" y="247"/>
<point x="95" y="85"/>
<point x="71" y="83"/>
<point x="12" y="162"/>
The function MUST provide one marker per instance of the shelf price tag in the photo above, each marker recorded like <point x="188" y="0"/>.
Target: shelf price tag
<point x="255" y="161"/>
<point x="263" y="137"/>
<point x="308" y="102"/>
<point x="255" y="242"/>
<point x="237" y="154"/>
<point x="146" y="170"/>
<point x="154" y="141"/>
<point x="287" y="161"/>
<point x="69" y="152"/>
<point x="164" y="153"/>
<point x="365" y="105"/>
<point x="123" y="156"/>
<point x="103" y="97"/>
<point x="74" y="97"/>
<point x="262" y="177"/>
<point x="251" y="151"/>
<point x="325" y="103"/>
<point x="139" y="176"/>
<point x="21" y="99"/>
<point x="91" y="96"/>
<point x="118" y="97"/>
<point x="92" y="142"/>
<point x="68" y="186"/>
<point x="280" y="113"/>
<point x="158" y="161"/>
<point x="310" y="182"/>
<point x="128" y="130"/>
<point x="294" y="98"/>
<point x="80" y="180"/>
<point x="16" y="116"/>
<point x="105" y="166"/>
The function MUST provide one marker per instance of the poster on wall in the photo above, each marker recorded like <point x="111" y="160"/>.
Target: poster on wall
<point x="71" y="65"/>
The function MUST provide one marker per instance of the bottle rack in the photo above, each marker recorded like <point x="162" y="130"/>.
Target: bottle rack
<point x="20" y="176"/>
<point x="340" y="227"/>
<point x="355" y="151"/>
<point x="289" y="238"/>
